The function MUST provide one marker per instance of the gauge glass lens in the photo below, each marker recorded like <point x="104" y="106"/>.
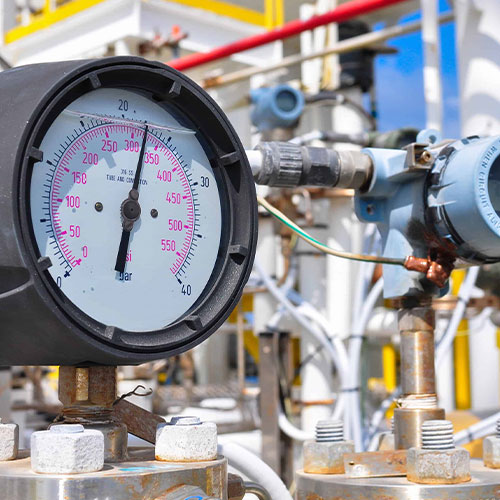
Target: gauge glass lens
<point x="82" y="203"/>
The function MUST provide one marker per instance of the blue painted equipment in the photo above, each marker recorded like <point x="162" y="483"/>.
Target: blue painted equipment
<point x="434" y="201"/>
<point x="276" y="107"/>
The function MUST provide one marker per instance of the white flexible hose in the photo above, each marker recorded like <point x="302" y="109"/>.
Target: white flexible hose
<point x="477" y="430"/>
<point x="355" y="344"/>
<point x="291" y="430"/>
<point x="335" y="349"/>
<point x="309" y="327"/>
<point x="464" y="295"/>
<point x="255" y="469"/>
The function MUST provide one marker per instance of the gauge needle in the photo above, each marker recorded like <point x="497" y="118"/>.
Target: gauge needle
<point x="130" y="210"/>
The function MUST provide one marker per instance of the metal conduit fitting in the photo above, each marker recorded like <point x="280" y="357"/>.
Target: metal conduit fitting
<point x="288" y="165"/>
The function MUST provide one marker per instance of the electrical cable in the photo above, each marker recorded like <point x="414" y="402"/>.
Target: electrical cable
<point x="378" y="416"/>
<point x="342" y="100"/>
<point x="321" y="246"/>
<point x="354" y="354"/>
<point x="255" y="469"/>
<point x="464" y="295"/>
<point x="318" y="327"/>
<point x="477" y="430"/>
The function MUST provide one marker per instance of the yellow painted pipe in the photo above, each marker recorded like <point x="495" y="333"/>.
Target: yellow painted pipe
<point x="461" y="352"/>
<point x="389" y="367"/>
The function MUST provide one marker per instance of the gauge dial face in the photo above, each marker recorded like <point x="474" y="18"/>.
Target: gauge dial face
<point x="83" y="202"/>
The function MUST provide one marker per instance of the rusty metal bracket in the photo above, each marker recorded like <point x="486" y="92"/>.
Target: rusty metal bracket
<point x="140" y="422"/>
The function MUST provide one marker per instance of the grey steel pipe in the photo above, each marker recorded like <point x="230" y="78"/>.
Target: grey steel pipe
<point x="418" y="381"/>
<point x="417" y="350"/>
<point x="345" y="46"/>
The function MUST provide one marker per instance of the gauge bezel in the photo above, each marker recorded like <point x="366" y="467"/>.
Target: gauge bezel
<point x="178" y="94"/>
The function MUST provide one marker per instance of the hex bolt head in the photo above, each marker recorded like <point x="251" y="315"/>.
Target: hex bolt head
<point x="491" y="449"/>
<point x="186" y="439"/>
<point x="438" y="461"/>
<point x="325" y="455"/>
<point x="9" y="441"/>
<point x="67" y="449"/>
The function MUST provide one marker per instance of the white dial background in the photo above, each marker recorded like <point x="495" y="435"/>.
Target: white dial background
<point x="88" y="161"/>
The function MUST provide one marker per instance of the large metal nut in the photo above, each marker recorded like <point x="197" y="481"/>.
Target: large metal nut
<point x="326" y="457"/>
<point x="438" y="466"/>
<point x="115" y="436"/>
<point x="491" y="452"/>
<point x="67" y="449"/>
<point x="186" y="439"/>
<point x="9" y="441"/>
<point x="87" y="386"/>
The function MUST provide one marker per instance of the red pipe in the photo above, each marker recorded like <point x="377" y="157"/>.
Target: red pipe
<point x="342" y="13"/>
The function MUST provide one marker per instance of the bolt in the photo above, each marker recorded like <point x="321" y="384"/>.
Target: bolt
<point x="491" y="449"/>
<point x="325" y="454"/>
<point x="425" y="157"/>
<point x="186" y="439"/>
<point x="438" y="461"/>
<point x="98" y="206"/>
<point x="154" y="213"/>
<point x="437" y="435"/>
<point x="329" y="431"/>
<point x="9" y="441"/>
<point x="67" y="449"/>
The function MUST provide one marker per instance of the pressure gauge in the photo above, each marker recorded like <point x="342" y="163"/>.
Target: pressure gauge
<point x="133" y="216"/>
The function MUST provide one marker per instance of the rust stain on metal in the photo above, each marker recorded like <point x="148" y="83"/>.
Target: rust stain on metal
<point x="139" y="422"/>
<point x="87" y="386"/>
<point x="375" y="464"/>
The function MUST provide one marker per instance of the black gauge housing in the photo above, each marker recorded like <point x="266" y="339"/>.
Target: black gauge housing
<point x="40" y="326"/>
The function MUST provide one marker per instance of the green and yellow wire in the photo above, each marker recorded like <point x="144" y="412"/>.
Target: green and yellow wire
<point x="321" y="246"/>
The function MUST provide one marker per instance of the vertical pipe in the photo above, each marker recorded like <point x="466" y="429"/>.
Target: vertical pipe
<point x="317" y="382"/>
<point x="478" y="57"/>
<point x="418" y="402"/>
<point x="240" y="332"/>
<point x="268" y="401"/>
<point x="286" y="362"/>
<point x="461" y="352"/>
<point x="389" y="367"/>
<point x="280" y="12"/>
<point x="432" y="64"/>
<point x="269" y="14"/>
<point x="417" y="351"/>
